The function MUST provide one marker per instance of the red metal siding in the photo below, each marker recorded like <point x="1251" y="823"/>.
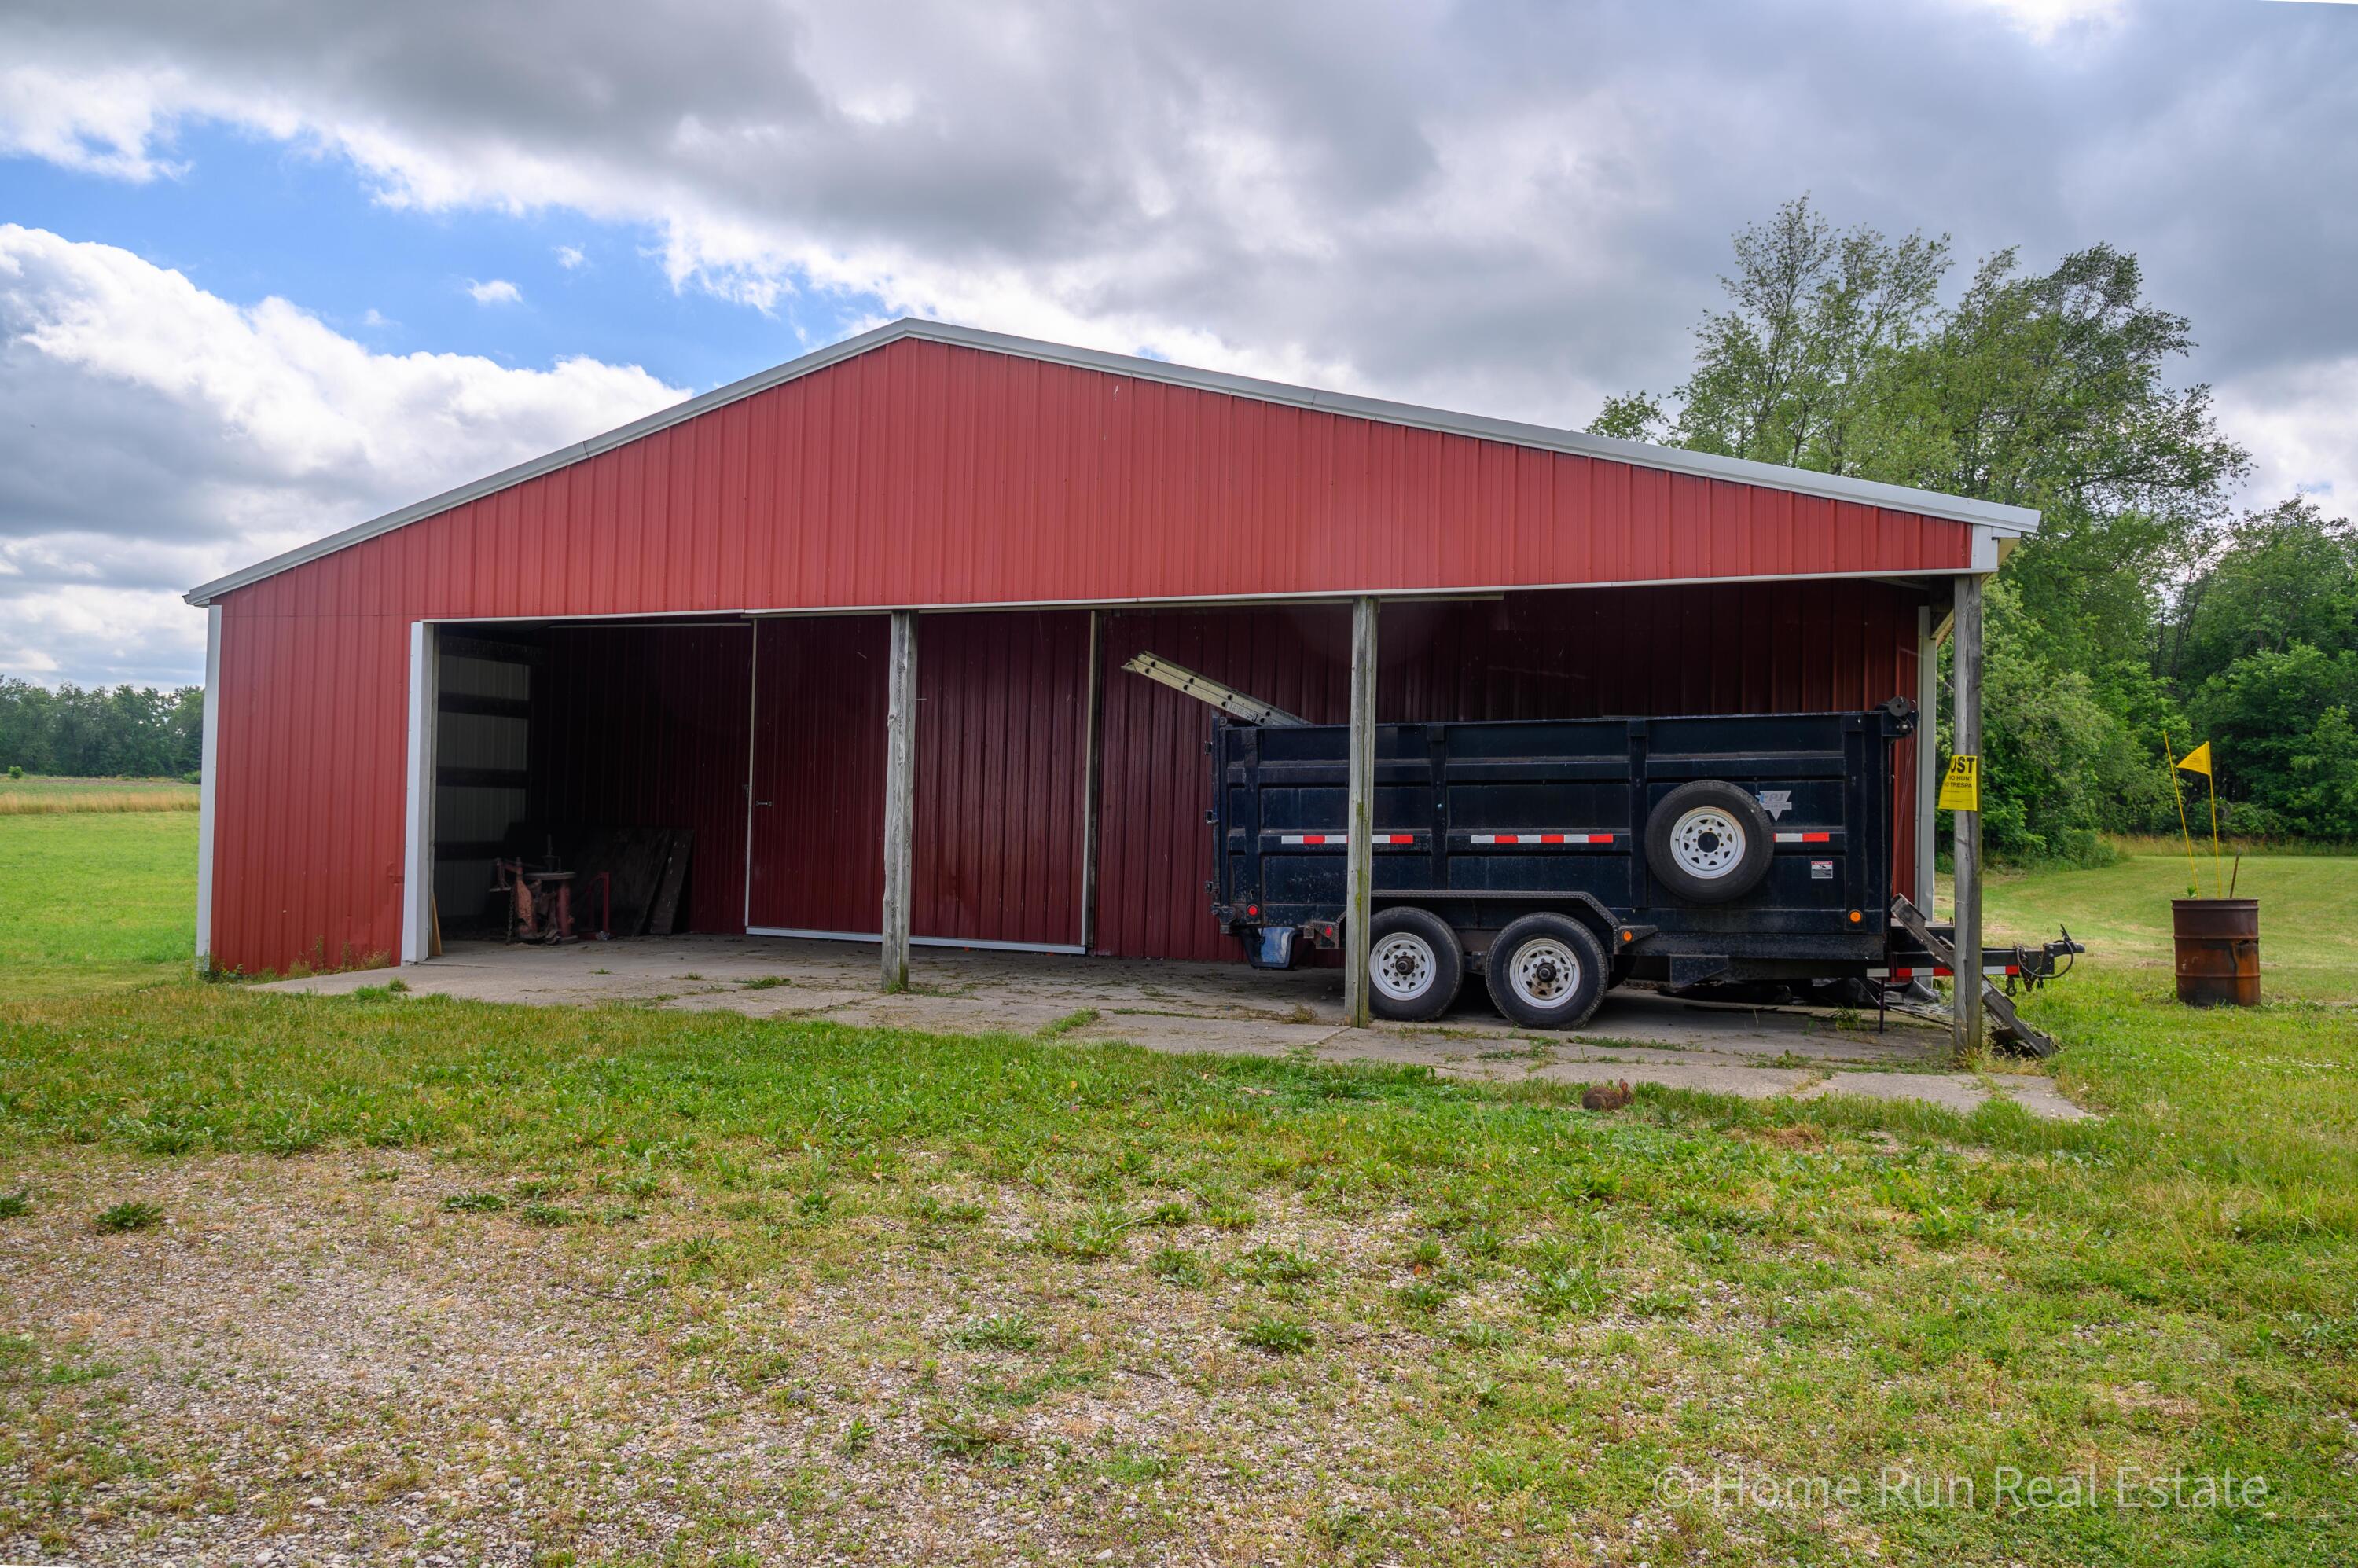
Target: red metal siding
<point x="819" y="773"/>
<point x="644" y="727"/>
<point x="307" y="839"/>
<point x="1000" y="761"/>
<point x="1734" y="648"/>
<point x="922" y="473"/>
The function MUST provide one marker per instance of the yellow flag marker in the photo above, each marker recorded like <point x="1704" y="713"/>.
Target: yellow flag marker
<point x="2198" y="761"/>
<point x="1960" y="786"/>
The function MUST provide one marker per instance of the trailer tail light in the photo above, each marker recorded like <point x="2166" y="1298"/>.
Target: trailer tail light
<point x="1252" y="909"/>
<point x="1855" y="917"/>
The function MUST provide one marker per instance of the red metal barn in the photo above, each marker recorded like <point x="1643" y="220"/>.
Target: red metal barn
<point x="685" y="624"/>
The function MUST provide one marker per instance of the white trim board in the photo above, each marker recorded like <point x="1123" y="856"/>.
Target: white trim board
<point x="878" y="936"/>
<point x="2009" y="520"/>
<point x="1342" y="597"/>
<point x="417" y="850"/>
<point x="209" y="789"/>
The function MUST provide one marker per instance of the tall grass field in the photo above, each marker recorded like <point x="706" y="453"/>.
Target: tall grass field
<point x="387" y="1276"/>
<point x="38" y="795"/>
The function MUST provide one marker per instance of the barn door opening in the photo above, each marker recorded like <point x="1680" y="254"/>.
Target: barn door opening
<point x="1001" y="798"/>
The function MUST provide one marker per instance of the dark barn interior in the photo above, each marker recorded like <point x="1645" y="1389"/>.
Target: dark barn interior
<point x="726" y="774"/>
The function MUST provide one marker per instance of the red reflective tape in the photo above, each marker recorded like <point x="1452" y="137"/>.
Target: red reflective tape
<point x="1817" y="838"/>
<point x="1551" y="837"/>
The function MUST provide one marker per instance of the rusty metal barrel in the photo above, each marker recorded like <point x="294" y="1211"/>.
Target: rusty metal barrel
<point x="2218" y="950"/>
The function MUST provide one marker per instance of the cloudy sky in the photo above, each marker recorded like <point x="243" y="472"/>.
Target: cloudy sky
<point x="269" y="269"/>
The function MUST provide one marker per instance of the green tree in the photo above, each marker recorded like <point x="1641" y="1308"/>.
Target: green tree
<point x="2050" y="390"/>
<point x="2284" y="576"/>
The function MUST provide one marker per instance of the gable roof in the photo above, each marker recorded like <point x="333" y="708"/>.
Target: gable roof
<point x="2007" y="522"/>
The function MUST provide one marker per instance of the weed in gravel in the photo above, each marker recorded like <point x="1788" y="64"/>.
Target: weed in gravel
<point x="549" y="1215"/>
<point x="971" y="1437"/>
<point x="1275" y="1265"/>
<point x="380" y="1174"/>
<point x="474" y="1202"/>
<point x="1173" y="1215"/>
<point x="1178" y="1266"/>
<point x="539" y="1188"/>
<point x="135" y="1215"/>
<point x="998" y="1331"/>
<point x="1483" y="1243"/>
<point x="1662" y="1304"/>
<point x="291" y="1135"/>
<point x="1337" y="1526"/>
<point x="1226" y="1211"/>
<point x="1426" y="1256"/>
<point x="1132" y="1466"/>
<point x="16" y="1203"/>
<point x="1095" y="1236"/>
<point x="1278" y="1336"/>
<point x="1424" y="1298"/>
<point x="858" y="1437"/>
<point x="1480" y="1336"/>
<point x="763" y="983"/>
<point x="955" y="1212"/>
<point x="1564" y="1291"/>
<point x="1079" y="1019"/>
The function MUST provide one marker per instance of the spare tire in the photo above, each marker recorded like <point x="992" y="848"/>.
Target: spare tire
<point x="1709" y="842"/>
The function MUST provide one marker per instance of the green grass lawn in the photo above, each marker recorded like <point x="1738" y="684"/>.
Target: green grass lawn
<point x="2309" y="914"/>
<point x="827" y="1291"/>
<point x="93" y="901"/>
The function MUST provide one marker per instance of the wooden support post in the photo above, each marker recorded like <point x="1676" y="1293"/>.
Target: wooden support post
<point x="1967" y="669"/>
<point x="900" y="792"/>
<point x="1092" y="750"/>
<point x="1361" y="823"/>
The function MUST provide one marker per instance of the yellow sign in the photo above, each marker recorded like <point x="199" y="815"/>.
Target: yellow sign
<point x="2198" y="761"/>
<point x="1961" y="790"/>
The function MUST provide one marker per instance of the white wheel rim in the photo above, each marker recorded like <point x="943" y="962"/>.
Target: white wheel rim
<point x="1707" y="842"/>
<point x="1544" y="973"/>
<point x="1403" y="966"/>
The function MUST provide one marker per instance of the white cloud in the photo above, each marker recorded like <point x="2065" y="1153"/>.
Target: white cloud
<point x="2046" y="19"/>
<point x="493" y="291"/>
<point x="152" y="435"/>
<point x="569" y="257"/>
<point x="2299" y="422"/>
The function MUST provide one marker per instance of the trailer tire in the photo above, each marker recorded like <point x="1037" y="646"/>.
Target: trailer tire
<point x="1547" y="971"/>
<point x="1709" y="842"/>
<point x="1414" y="965"/>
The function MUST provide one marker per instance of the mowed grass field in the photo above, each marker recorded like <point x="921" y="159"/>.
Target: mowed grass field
<point x="397" y="1278"/>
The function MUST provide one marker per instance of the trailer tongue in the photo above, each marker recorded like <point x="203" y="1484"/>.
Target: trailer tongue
<point x="1559" y="857"/>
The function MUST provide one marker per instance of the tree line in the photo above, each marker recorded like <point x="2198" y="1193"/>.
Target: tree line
<point x="2143" y="607"/>
<point x="99" y="732"/>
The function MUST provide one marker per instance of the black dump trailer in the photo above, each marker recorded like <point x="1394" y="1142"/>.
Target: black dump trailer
<point x="1561" y="858"/>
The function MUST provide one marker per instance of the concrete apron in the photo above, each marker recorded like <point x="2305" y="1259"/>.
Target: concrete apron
<point x="1227" y="1008"/>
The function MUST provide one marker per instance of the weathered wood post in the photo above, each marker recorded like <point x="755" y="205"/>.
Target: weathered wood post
<point x="1359" y="856"/>
<point x="1967" y="670"/>
<point x="900" y="792"/>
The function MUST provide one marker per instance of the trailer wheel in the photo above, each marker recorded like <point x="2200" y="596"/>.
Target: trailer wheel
<point x="1546" y="971"/>
<point x="1414" y="965"/>
<point x="1708" y="842"/>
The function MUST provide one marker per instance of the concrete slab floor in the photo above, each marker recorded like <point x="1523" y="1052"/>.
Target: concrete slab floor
<point x="1639" y="1035"/>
